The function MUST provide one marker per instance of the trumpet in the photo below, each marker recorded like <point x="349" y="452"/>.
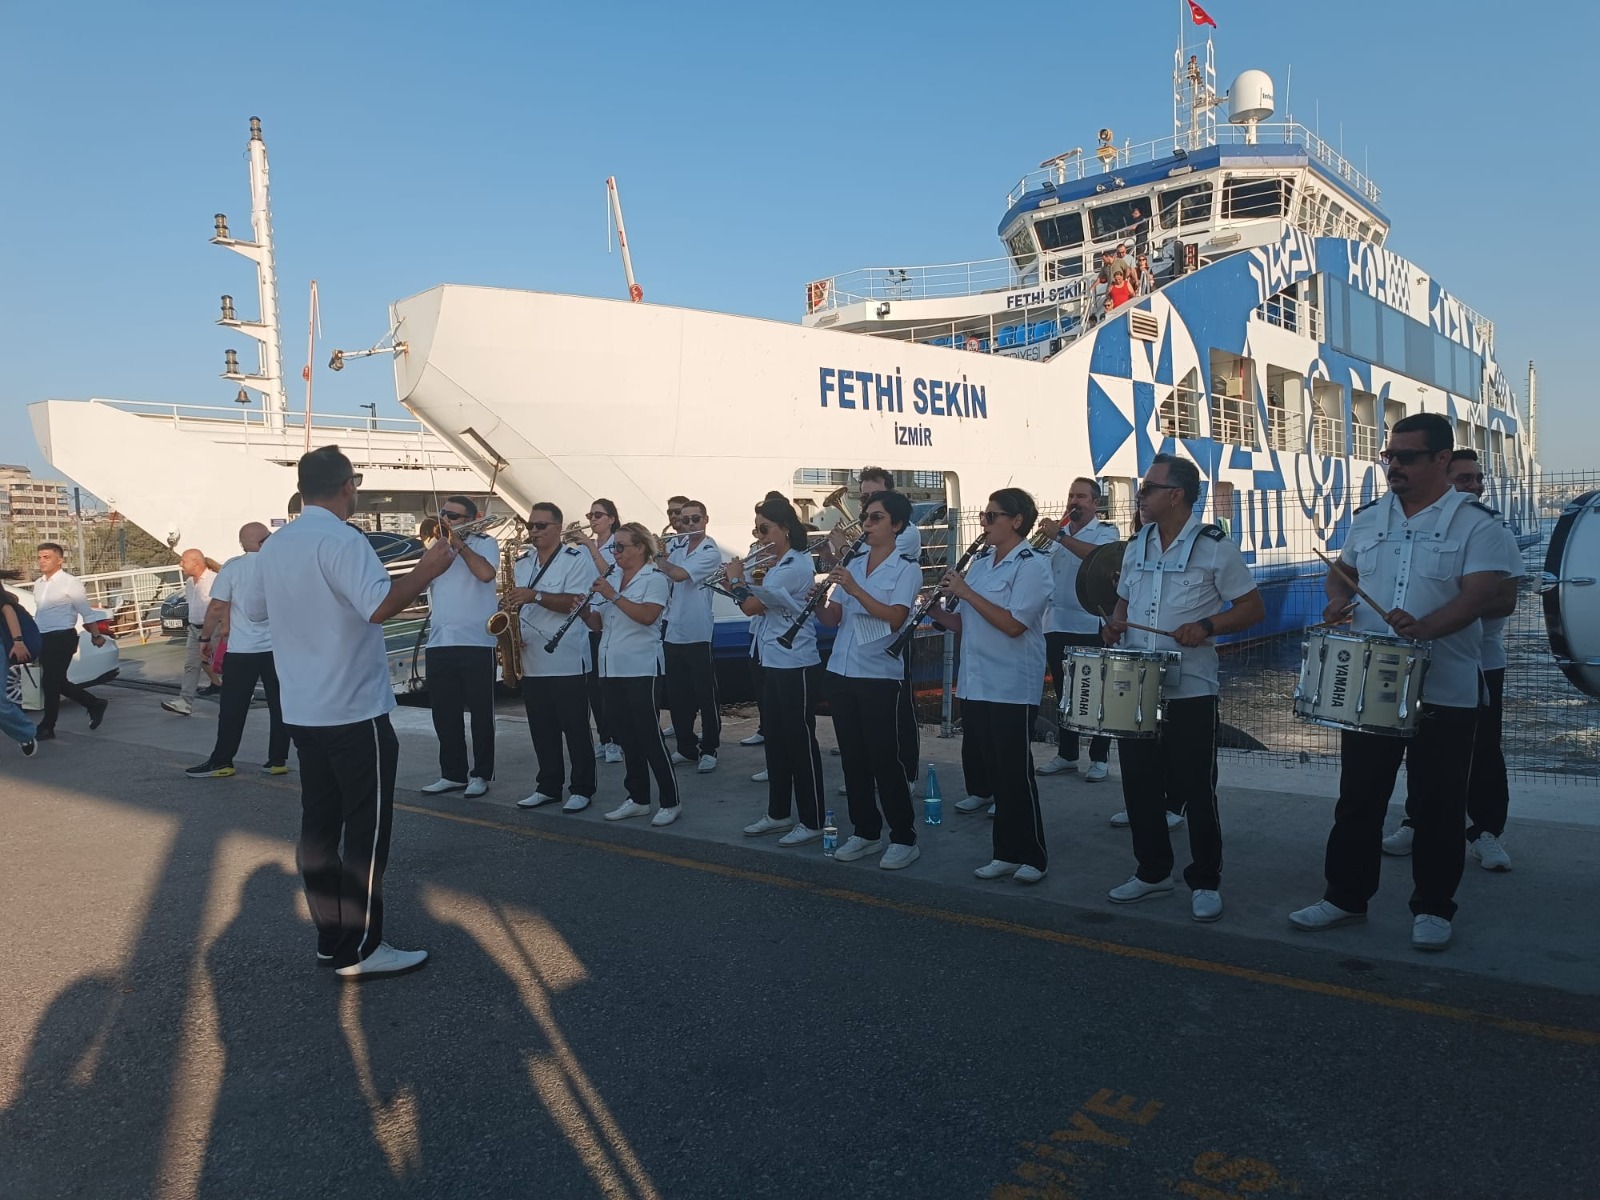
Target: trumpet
<point x="576" y="531"/>
<point x="757" y="558"/>
<point x="925" y="605"/>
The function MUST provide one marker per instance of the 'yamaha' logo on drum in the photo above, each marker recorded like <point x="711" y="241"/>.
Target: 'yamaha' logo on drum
<point x="1341" y="680"/>
<point x="1083" y="692"/>
<point x="1344" y="656"/>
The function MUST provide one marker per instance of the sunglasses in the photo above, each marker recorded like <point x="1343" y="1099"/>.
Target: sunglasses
<point x="1404" y="457"/>
<point x="872" y="518"/>
<point x="355" y="479"/>
<point x="595" y="516"/>
<point x="452" y="516"/>
<point x="694" y="520"/>
<point x="763" y="530"/>
<point x="672" y="512"/>
<point x="540" y="526"/>
<point x="989" y="518"/>
<point x="1147" y="489"/>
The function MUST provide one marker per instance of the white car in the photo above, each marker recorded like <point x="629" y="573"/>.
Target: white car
<point x="90" y="665"/>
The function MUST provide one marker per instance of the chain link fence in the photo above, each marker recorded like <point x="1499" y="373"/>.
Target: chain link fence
<point x="1552" y="730"/>
<point x="100" y="543"/>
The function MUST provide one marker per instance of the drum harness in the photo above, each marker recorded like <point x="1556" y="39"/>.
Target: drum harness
<point x="1185" y="547"/>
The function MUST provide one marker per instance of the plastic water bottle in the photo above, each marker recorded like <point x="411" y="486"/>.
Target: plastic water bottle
<point x="932" y="801"/>
<point x="830" y="836"/>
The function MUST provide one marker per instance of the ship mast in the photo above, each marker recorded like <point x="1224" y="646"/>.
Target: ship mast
<point x="1533" y="414"/>
<point x="635" y="292"/>
<point x="1194" y="86"/>
<point x="268" y="378"/>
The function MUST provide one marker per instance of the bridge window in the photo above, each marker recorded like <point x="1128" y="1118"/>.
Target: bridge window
<point x="1020" y="243"/>
<point x="1233" y="401"/>
<point x="1128" y="219"/>
<point x="1247" y="199"/>
<point x="1061" y="232"/>
<point x="1186" y="205"/>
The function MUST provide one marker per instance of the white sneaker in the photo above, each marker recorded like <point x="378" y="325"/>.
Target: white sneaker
<point x="755" y="739"/>
<point x="1491" y="855"/>
<point x="179" y="706"/>
<point x="991" y="812"/>
<point x="677" y="759"/>
<point x="439" y="786"/>
<point x="1027" y="874"/>
<point x="997" y="869"/>
<point x="971" y="804"/>
<point x="857" y="847"/>
<point x="897" y="857"/>
<point x="1430" y="933"/>
<point x="1057" y="766"/>
<point x="385" y="960"/>
<point x="1322" y="915"/>
<point x="760" y="776"/>
<point x="799" y="836"/>
<point x="1399" y="842"/>
<point x="535" y="800"/>
<point x="599" y="750"/>
<point x="628" y="808"/>
<point x="708" y="764"/>
<point x="1119" y="820"/>
<point x="575" y="803"/>
<point x="476" y="786"/>
<point x="1137" y="889"/>
<point x="669" y="731"/>
<point x="1096" y="773"/>
<point x="666" y="816"/>
<point x="1205" y="905"/>
<point x="768" y="825"/>
<point x="613" y="752"/>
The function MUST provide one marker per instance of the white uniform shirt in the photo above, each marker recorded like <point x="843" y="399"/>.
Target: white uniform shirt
<point x="688" y="614"/>
<point x="994" y="667"/>
<point x="1493" y="647"/>
<point x="460" y="604"/>
<point x="627" y="648"/>
<point x="1190" y="580"/>
<point x="909" y="542"/>
<point x="198" y="594"/>
<point x="792" y="576"/>
<point x="321" y="583"/>
<point x="860" y="647"/>
<point x="240" y="575"/>
<point x="58" y="603"/>
<point x="1066" y="614"/>
<point x="1416" y="563"/>
<point x="569" y="573"/>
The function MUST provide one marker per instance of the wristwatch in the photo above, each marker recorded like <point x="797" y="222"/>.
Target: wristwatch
<point x="538" y="597"/>
<point x="1205" y="623"/>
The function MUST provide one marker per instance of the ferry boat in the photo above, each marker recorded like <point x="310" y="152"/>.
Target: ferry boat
<point x="191" y="475"/>
<point x="1280" y="339"/>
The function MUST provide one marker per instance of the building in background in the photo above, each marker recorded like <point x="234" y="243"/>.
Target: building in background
<point x="41" y="507"/>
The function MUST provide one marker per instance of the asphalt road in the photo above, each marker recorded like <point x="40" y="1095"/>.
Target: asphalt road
<point x="610" y="1013"/>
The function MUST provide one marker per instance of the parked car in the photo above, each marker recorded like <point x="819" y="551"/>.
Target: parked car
<point x="90" y="665"/>
<point x="175" y="613"/>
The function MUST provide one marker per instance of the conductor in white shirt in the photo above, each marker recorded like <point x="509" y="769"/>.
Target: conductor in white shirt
<point x="59" y="601"/>
<point x="327" y="596"/>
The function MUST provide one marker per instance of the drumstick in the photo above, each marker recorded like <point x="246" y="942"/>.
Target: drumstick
<point x="1338" y="569"/>
<point x="1140" y="628"/>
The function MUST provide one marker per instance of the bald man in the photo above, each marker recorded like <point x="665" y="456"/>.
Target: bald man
<point x="198" y="578"/>
<point x="249" y="658"/>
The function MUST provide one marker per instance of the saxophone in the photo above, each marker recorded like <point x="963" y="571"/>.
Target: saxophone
<point x="506" y="624"/>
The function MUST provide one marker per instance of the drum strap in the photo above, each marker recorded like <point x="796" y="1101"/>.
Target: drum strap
<point x="1450" y="505"/>
<point x="1151" y="559"/>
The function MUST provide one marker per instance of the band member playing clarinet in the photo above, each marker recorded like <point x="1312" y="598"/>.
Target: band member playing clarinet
<point x="550" y="579"/>
<point x="627" y="612"/>
<point x="794" y="763"/>
<point x="1176" y="576"/>
<point x="872" y="598"/>
<point x="1440" y="560"/>
<point x="1004" y="599"/>
<point x="603" y="522"/>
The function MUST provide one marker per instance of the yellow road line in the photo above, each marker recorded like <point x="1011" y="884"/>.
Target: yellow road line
<point x="1426" y="1008"/>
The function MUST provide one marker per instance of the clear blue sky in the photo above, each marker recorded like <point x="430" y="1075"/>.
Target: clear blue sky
<point x="757" y="147"/>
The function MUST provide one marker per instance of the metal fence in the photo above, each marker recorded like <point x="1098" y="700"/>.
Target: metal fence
<point x="1552" y="730"/>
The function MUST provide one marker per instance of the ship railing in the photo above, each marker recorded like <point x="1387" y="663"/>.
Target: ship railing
<point x="1292" y="133"/>
<point x="938" y="281"/>
<point x="368" y="440"/>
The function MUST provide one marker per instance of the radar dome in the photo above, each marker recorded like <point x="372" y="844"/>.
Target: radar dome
<point x="1250" y="97"/>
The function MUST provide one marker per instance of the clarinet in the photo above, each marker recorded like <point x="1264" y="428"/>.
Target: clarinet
<point x="786" y="639"/>
<point x="555" y="640"/>
<point x="925" y="606"/>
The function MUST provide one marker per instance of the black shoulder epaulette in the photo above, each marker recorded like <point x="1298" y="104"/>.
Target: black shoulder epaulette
<point x="910" y="559"/>
<point x="1025" y="552"/>
<point x="1367" y="505"/>
<point x="1215" y="532"/>
<point x="1479" y="504"/>
<point x="572" y="550"/>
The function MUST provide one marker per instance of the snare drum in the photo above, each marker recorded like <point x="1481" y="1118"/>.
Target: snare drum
<point x="1116" y="693"/>
<point x="1363" y="682"/>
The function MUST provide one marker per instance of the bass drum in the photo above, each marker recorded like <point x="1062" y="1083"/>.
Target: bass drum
<point x="1571" y="589"/>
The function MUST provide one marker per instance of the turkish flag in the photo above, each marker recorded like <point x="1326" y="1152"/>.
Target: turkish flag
<point x="1200" y="15"/>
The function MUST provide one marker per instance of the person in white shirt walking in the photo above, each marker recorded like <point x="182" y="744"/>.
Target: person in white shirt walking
<point x="871" y="600"/>
<point x="461" y="653"/>
<point x="327" y="596"/>
<point x="59" y="603"/>
<point x="248" y="661"/>
<point x="627" y="612"/>
<point x="1074" y="538"/>
<point x="550" y="579"/>
<point x="198" y="578"/>
<point x="1004" y="597"/>
<point x="690" y="560"/>
<point x="1177" y="574"/>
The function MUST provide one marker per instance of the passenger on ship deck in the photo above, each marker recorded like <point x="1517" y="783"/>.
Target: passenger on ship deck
<point x="1177" y="574"/>
<point x="871" y="600"/>
<point x="691" y="670"/>
<point x="1004" y="597"/>
<point x="1439" y="558"/>
<point x="1147" y="277"/>
<point x="1121" y="290"/>
<point x="1488" y="793"/>
<point x="603" y="521"/>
